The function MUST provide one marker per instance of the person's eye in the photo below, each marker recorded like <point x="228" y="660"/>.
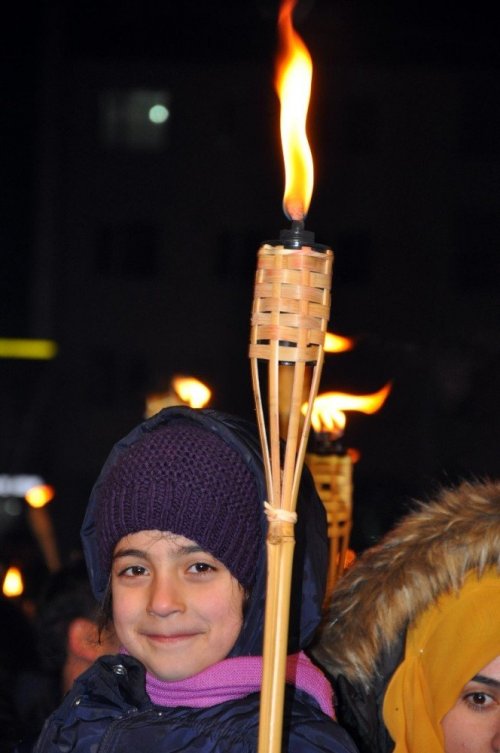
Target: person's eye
<point x="133" y="571"/>
<point x="478" y="700"/>
<point x="201" y="568"/>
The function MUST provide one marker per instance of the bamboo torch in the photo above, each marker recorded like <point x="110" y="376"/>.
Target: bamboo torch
<point x="331" y="467"/>
<point x="290" y="314"/>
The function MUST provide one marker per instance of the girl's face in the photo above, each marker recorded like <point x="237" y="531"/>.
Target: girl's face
<point x="175" y="607"/>
<point x="473" y="724"/>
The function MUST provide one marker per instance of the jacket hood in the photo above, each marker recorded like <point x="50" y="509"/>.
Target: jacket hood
<point x="427" y="554"/>
<point x="310" y="558"/>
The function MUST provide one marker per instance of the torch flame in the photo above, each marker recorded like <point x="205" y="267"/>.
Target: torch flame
<point x="328" y="408"/>
<point x="182" y="390"/>
<point x="191" y="391"/>
<point x="293" y="85"/>
<point x="40" y="495"/>
<point x="337" y="343"/>
<point x="13" y="582"/>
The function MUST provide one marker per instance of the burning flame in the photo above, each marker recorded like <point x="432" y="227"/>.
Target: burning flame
<point x="191" y="391"/>
<point x="328" y="408"/>
<point x="39" y="496"/>
<point x="337" y="343"/>
<point x="293" y="84"/>
<point x="13" y="582"/>
<point x="182" y="390"/>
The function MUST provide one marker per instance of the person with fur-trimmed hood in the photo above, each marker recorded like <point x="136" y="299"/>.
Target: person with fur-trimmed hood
<point x="412" y="640"/>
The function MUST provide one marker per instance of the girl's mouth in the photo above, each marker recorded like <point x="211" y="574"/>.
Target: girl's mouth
<point x="170" y="638"/>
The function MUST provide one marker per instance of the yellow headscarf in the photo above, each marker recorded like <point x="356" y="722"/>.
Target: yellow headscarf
<point x="450" y="642"/>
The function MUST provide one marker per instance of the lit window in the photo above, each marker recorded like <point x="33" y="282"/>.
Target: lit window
<point x="135" y="119"/>
<point x="159" y="114"/>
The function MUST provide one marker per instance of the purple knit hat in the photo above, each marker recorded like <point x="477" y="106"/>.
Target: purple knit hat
<point x="185" y="479"/>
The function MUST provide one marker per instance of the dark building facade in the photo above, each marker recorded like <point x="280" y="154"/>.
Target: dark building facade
<point x="158" y="174"/>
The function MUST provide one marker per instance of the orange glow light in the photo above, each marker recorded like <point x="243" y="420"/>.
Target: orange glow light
<point x="156" y="401"/>
<point x="328" y="409"/>
<point x="39" y="496"/>
<point x="337" y="343"/>
<point x="191" y="391"/>
<point x="13" y="583"/>
<point x="350" y="558"/>
<point x="182" y="390"/>
<point x="293" y="85"/>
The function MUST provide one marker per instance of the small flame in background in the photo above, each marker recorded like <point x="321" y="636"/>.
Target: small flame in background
<point x="182" y="390"/>
<point x="337" y="343"/>
<point x="13" y="583"/>
<point x="293" y="85"/>
<point x="328" y="409"/>
<point x="39" y="496"/>
<point x="191" y="391"/>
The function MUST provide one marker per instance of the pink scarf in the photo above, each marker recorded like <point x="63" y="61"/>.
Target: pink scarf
<point x="235" y="678"/>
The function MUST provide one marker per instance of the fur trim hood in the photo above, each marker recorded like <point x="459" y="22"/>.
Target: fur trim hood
<point x="428" y="553"/>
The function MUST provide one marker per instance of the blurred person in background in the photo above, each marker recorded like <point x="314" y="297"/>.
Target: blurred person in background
<point x="68" y="641"/>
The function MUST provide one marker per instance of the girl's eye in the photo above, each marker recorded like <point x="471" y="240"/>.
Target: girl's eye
<point x="201" y="568"/>
<point x="478" y="700"/>
<point x="133" y="570"/>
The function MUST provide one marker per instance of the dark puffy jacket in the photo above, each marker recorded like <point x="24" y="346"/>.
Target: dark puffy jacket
<point x="108" y="708"/>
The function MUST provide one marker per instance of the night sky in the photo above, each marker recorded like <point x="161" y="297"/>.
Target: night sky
<point x="405" y="327"/>
<point x="429" y="34"/>
<point x="433" y="34"/>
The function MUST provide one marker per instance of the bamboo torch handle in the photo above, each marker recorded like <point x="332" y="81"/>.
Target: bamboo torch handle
<point x="280" y="548"/>
<point x="289" y="318"/>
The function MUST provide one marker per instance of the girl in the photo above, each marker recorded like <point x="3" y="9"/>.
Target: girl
<point x="413" y="640"/>
<point x="174" y="539"/>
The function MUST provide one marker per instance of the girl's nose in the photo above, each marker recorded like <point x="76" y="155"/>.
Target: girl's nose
<point x="165" y="596"/>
